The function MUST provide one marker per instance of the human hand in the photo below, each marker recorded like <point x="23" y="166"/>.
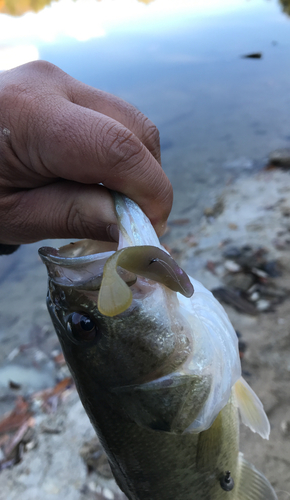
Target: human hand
<point x="59" y="139"/>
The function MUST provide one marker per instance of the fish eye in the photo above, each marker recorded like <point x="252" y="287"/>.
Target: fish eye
<point x="82" y="327"/>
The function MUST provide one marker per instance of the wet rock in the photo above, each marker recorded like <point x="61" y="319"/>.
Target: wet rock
<point x="239" y="281"/>
<point x="232" y="266"/>
<point x="95" y="458"/>
<point x="280" y="158"/>
<point x="216" y="209"/>
<point x="250" y="275"/>
<point x="232" y="252"/>
<point x="285" y="428"/>
<point x="254" y="296"/>
<point x="252" y="55"/>
<point x="282" y="243"/>
<point x="234" y="299"/>
<point x="263" y="305"/>
<point x="272" y="268"/>
<point x="54" y="424"/>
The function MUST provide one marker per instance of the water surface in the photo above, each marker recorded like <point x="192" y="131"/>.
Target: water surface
<point x="180" y="63"/>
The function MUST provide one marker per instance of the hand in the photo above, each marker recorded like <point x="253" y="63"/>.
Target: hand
<point x="59" y="139"/>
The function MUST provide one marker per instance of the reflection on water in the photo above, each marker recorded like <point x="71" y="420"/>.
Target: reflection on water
<point x="219" y="114"/>
<point x="180" y="63"/>
<point x="285" y="6"/>
<point x="19" y="7"/>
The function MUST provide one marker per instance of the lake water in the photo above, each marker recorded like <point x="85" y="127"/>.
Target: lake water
<point x="180" y="63"/>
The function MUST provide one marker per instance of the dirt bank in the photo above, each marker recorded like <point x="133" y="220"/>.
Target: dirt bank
<point x="252" y="217"/>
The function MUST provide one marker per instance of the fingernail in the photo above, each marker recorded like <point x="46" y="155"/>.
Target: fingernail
<point x="113" y="232"/>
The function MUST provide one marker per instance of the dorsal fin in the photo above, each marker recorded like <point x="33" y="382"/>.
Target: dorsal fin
<point x="251" y="409"/>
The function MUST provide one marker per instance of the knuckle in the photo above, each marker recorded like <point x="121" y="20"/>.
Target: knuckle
<point x="77" y="221"/>
<point x="41" y="66"/>
<point x="152" y="134"/>
<point x="79" y="225"/>
<point x="41" y="71"/>
<point x="74" y="218"/>
<point x="123" y="147"/>
<point x="151" y="137"/>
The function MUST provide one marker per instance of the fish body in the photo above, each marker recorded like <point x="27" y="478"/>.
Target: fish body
<point x="156" y="364"/>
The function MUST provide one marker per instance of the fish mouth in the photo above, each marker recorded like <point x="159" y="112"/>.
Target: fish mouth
<point x="78" y="263"/>
<point x="93" y="265"/>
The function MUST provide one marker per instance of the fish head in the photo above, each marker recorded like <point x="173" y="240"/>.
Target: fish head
<point x="114" y="347"/>
<point x="133" y="332"/>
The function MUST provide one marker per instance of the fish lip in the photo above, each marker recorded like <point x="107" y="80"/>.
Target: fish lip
<point x="50" y="255"/>
<point x="68" y="267"/>
<point x="78" y="253"/>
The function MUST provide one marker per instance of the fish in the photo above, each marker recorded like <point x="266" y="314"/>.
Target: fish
<point x="156" y="364"/>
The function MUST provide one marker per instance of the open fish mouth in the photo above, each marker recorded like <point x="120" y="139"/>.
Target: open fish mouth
<point x="93" y="265"/>
<point x="77" y="264"/>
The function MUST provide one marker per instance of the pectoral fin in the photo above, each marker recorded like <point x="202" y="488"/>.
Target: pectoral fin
<point x="251" y="409"/>
<point x="252" y="485"/>
<point x="165" y="404"/>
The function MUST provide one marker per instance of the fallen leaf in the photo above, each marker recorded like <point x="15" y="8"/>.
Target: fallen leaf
<point x="210" y="266"/>
<point x="17" y="417"/>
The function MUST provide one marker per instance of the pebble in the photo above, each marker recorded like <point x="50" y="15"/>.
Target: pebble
<point x="280" y="157"/>
<point x="240" y="281"/>
<point x="263" y="305"/>
<point x="232" y="252"/>
<point x="232" y="266"/>
<point x="285" y="427"/>
<point x="254" y="297"/>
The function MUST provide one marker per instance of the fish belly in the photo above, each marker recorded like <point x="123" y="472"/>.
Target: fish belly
<point x="157" y="465"/>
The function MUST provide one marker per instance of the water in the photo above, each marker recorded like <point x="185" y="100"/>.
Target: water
<point x="181" y="64"/>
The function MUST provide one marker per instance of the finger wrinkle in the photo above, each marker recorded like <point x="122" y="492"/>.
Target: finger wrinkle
<point x="120" y="146"/>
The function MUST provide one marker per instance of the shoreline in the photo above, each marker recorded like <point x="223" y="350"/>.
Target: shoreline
<point x="253" y="212"/>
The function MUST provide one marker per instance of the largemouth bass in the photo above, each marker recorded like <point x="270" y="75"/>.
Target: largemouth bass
<point x="156" y="364"/>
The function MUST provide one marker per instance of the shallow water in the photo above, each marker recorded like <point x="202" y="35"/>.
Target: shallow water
<point x="219" y="114"/>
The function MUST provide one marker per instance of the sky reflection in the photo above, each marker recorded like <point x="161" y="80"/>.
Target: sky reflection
<point x="180" y="63"/>
<point x="68" y="20"/>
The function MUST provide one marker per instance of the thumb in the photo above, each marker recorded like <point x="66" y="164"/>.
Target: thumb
<point x="63" y="209"/>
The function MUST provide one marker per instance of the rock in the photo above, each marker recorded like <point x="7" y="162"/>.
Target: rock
<point x="252" y="55"/>
<point x="95" y="458"/>
<point x="232" y="252"/>
<point x="280" y="157"/>
<point x="233" y="298"/>
<point x="285" y="428"/>
<point x="216" y="209"/>
<point x="263" y="305"/>
<point x="239" y="281"/>
<point x="232" y="266"/>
